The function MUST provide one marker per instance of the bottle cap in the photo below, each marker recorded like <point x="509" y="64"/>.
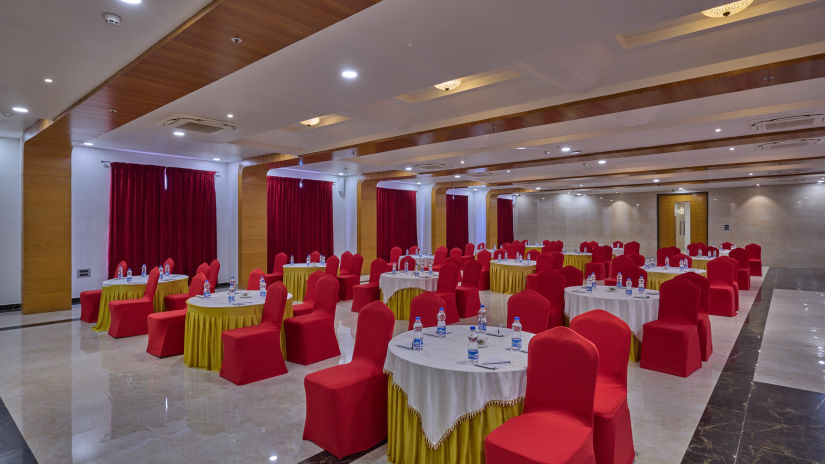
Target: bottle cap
<point x="472" y="327"/>
<point x="417" y="318"/>
<point x="516" y="318"/>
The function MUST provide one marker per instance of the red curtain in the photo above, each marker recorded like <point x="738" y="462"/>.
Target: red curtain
<point x="505" y="220"/>
<point x="190" y="226"/>
<point x="457" y="222"/>
<point x="299" y="217"/>
<point x="396" y="220"/>
<point x="136" y="198"/>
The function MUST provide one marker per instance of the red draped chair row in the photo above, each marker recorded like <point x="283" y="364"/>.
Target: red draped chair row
<point x="671" y="343"/>
<point x="364" y="294"/>
<point x="90" y="299"/>
<point x="167" y="329"/>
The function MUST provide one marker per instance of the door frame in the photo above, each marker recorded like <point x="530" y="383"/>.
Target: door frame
<point x="697" y="197"/>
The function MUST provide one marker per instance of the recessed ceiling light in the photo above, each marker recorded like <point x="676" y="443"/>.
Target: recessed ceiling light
<point x="88" y="144"/>
<point x="521" y="148"/>
<point x="718" y="129"/>
<point x="602" y="162"/>
<point x="820" y="181"/>
<point x="311" y="122"/>
<point x="655" y="180"/>
<point x="340" y="173"/>
<point x="576" y="152"/>
<point x="216" y="159"/>
<point x="48" y="80"/>
<point x="728" y="9"/>
<point x="508" y="170"/>
<point x="732" y="148"/>
<point x="581" y="185"/>
<point x="448" y="85"/>
<point x="457" y="176"/>
<point x="132" y="2"/>
<point x="418" y="183"/>
<point x="349" y="74"/>
<point x="750" y="173"/>
<point x="178" y="133"/>
<point x="20" y="109"/>
<point x="565" y="149"/>
<point x="408" y="168"/>
<point x="462" y="161"/>
<point x="230" y="115"/>
<point x="757" y="185"/>
<point x="538" y="188"/>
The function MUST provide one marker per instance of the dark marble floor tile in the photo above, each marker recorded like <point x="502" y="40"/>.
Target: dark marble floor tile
<point x="742" y="361"/>
<point x="754" y="455"/>
<point x="13" y="447"/>
<point x="732" y="391"/>
<point x="717" y="433"/>
<point x="797" y="440"/>
<point x="706" y="456"/>
<point x="18" y="456"/>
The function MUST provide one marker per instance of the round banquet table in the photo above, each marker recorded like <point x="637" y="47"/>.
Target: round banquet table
<point x="510" y="276"/>
<point x="422" y="260"/>
<point x="207" y="318"/>
<point x="119" y="289"/>
<point x="398" y="290"/>
<point x="658" y="275"/>
<point x="536" y="246"/>
<point x="440" y="405"/>
<point x="295" y="277"/>
<point x="635" y="310"/>
<point x="577" y="260"/>
<point x="700" y="262"/>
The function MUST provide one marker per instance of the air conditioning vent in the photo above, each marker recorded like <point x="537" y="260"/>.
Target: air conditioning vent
<point x="789" y="144"/>
<point x="481" y="175"/>
<point x="788" y="122"/>
<point x="433" y="166"/>
<point x="790" y="171"/>
<point x="196" y="124"/>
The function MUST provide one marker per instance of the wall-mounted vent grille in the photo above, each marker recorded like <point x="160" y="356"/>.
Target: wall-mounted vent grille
<point x="788" y="122"/>
<point x="84" y="273"/>
<point x="789" y="144"/>
<point x="433" y="166"/>
<point x="196" y="124"/>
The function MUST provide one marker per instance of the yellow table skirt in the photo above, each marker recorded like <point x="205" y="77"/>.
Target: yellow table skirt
<point x="700" y="264"/>
<point x="295" y="280"/>
<point x="509" y="279"/>
<point x="526" y="249"/>
<point x="656" y="279"/>
<point x="577" y="261"/>
<point x="635" y="343"/>
<point x="202" y="345"/>
<point x="130" y="292"/>
<point x="400" y="301"/>
<point x="464" y="443"/>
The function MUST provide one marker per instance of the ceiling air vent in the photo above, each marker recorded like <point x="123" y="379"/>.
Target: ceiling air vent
<point x="196" y="124"/>
<point x="433" y="166"/>
<point x="789" y="144"/>
<point x="788" y="122"/>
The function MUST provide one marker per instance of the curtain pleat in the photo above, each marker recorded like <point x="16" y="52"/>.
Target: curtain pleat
<point x="190" y="225"/>
<point x="457" y="222"/>
<point x="505" y="220"/>
<point x="396" y="220"/>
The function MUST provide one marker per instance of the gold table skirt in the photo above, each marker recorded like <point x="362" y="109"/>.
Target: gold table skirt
<point x="202" y="345"/>
<point x="508" y="278"/>
<point x="295" y="280"/>
<point x="577" y="261"/>
<point x="464" y="443"/>
<point x="700" y="264"/>
<point x="130" y="292"/>
<point x="656" y="279"/>
<point x="400" y="301"/>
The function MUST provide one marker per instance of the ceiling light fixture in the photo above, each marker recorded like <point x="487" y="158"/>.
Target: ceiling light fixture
<point x="230" y="115"/>
<point x="48" y="80"/>
<point x="521" y="148"/>
<point x="418" y="183"/>
<point x="732" y="148"/>
<point x="340" y="173"/>
<point x="349" y="74"/>
<point x="216" y="159"/>
<point x="457" y="176"/>
<point x="132" y="2"/>
<point x="408" y="168"/>
<point x="462" y="161"/>
<point x="19" y="109"/>
<point x="728" y="9"/>
<point x="565" y="149"/>
<point x="718" y="129"/>
<point x="508" y="171"/>
<point x="178" y="133"/>
<point x="449" y="85"/>
<point x="655" y="180"/>
<point x="538" y="188"/>
<point x="757" y="185"/>
<point x="88" y="144"/>
<point x="602" y="162"/>
<point x="576" y="152"/>
<point x="750" y="173"/>
<point x="311" y="122"/>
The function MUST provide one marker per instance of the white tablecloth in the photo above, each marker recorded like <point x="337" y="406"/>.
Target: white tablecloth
<point x="723" y="252"/>
<point x="634" y="310"/>
<point x="423" y="260"/>
<point x="221" y="300"/>
<point x="442" y="385"/>
<point x="514" y="263"/>
<point x="673" y="270"/>
<point x="389" y="284"/>
<point x="576" y="253"/>
<point x="139" y="280"/>
<point x="305" y="265"/>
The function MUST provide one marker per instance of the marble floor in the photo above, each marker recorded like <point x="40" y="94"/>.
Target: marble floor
<point x="72" y="395"/>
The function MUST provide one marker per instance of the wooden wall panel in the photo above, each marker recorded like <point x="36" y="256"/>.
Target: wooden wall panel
<point x="367" y="220"/>
<point x="251" y="221"/>
<point x="492" y="213"/>
<point x="667" y="222"/>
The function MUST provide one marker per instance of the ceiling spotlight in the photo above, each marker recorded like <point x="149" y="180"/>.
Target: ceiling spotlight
<point x="178" y="133"/>
<point x="216" y="159"/>
<point x="449" y="85"/>
<point x="820" y="181"/>
<point x="20" y="109"/>
<point x="349" y="74"/>
<point x="580" y="185"/>
<point x="236" y="40"/>
<point x="311" y="122"/>
<point x="750" y="173"/>
<point x="48" y="80"/>
<point x="408" y="168"/>
<point x="88" y="144"/>
<point x="538" y="188"/>
<point x="230" y="115"/>
<point x="728" y="9"/>
<point x="457" y="176"/>
<point x="718" y="129"/>
<point x="655" y="180"/>
<point x="508" y="171"/>
<point x="565" y="149"/>
<point x="418" y="183"/>
<point x="462" y="161"/>
<point x="757" y="185"/>
<point x="576" y="152"/>
<point x="340" y="173"/>
<point x="132" y="2"/>
<point x="521" y="148"/>
<point x="732" y="148"/>
<point x="602" y="162"/>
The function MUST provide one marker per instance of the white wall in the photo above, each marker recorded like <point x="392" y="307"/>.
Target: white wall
<point x="90" y="210"/>
<point x="11" y="219"/>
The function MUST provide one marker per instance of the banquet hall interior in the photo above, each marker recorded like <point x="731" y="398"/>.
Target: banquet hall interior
<point x="371" y="231"/>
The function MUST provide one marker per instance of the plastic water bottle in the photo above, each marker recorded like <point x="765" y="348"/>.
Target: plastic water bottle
<point x="119" y="272"/>
<point x="441" y="326"/>
<point x="231" y="295"/>
<point x="206" y="293"/>
<point x="406" y="266"/>
<point x="629" y="288"/>
<point x="129" y="275"/>
<point x="589" y="285"/>
<point x="408" y="252"/>
<point x="160" y="272"/>
<point x="472" y="345"/>
<point x="323" y="259"/>
<point x="291" y="259"/>
<point x="262" y="287"/>
<point x="482" y="324"/>
<point x="642" y="285"/>
<point x="143" y="271"/>
<point x="394" y="268"/>
<point x="166" y="269"/>
<point x="418" y="335"/>
<point x="593" y="278"/>
<point x="417" y="269"/>
<point x="667" y="262"/>
<point x="515" y="338"/>
<point x="308" y="260"/>
<point x="619" y="280"/>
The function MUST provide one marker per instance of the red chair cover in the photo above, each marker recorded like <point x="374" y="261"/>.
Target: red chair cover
<point x="618" y="244"/>
<point x="346" y="257"/>
<point x="561" y="411"/>
<point x="254" y="281"/>
<point x="346" y="409"/>
<point x="467" y="297"/>
<point x="409" y="261"/>
<point x="499" y="254"/>
<point x="663" y="253"/>
<point x="633" y="273"/>
<point x="365" y="293"/>
<point x="743" y="273"/>
<point x="600" y="262"/>
<point x="311" y="338"/>
<point x="482" y="246"/>
<point x="203" y="268"/>
<point x="395" y="255"/>
<point x="512" y="249"/>
<point x="306" y="306"/>
<point x="532" y="309"/>
<point x="178" y="301"/>
<point x="469" y="250"/>
<point x="722" y="295"/>
<point x="711" y="250"/>
<point x="90" y="299"/>
<point x="618" y="265"/>
<point x="727" y="245"/>
<point x="277" y="273"/>
<point x="674" y="259"/>
<point x="332" y="266"/>
<point x="254" y="353"/>
<point x="456" y="253"/>
<point x="703" y="319"/>
<point x="612" y="430"/>
<point x="572" y="276"/>
<point x="171" y="263"/>
<point x="351" y="277"/>
<point x="638" y="260"/>
<point x="167" y="329"/>
<point x="671" y="343"/>
<point x="425" y="306"/>
<point x="413" y="250"/>
<point x="315" y="257"/>
<point x="446" y="288"/>
<point x="550" y="284"/>
<point x="695" y="248"/>
<point x="214" y="272"/>
<point x="631" y="248"/>
<point x="484" y="258"/>
<point x="129" y="316"/>
<point x="439" y="258"/>
<point x="754" y="258"/>
<point x="533" y="254"/>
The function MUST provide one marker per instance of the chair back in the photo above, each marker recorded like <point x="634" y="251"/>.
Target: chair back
<point x="620" y="264"/>
<point x="704" y="287"/>
<point x="446" y="251"/>
<point x="754" y="251"/>
<point x="123" y="266"/>
<point x="455" y="253"/>
<point x="481" y="246"/>
<point x="395" y="255"/>
<point x="546" y="248"/>
<point x="601" y="254"/>
<point x="521" y="247"/>
<point x="504" y="245"/>
<point x="469" y="249"/>
<point x="550" y="284"/>
<point x="663" y="253"/>
<point x="332" y="265"/>
<point x="721" y="271"/>
<point x="710" y="250"/>
<point x="727" y="245"/>
<point x="562" y="352"/>
<point x="544" y="262"/>
<point x="512" y="249"/>
<point x="741" y="257"/>
<point x="409" y="261"/>
<point x="203" y="268"/>
<point x="378" y="266"/>
<point x="611" y="335"/>
<point x="279" y="261"/>
<point x="500" y="253"/>
<point x="315" y="257"/>
<point x="214" y="270"/>
<point x="693" y="248"/>
<point x="414" y="250"/>
<point x="447" y="278"/>
<point x="557" y="245"/>
<point x="253" y="283"/>
<point x="355" y="264"/>
<point x="674" y="259"/>
<point x="196" y="287"/>
<point x="346" y="257"/>
<point x="638" y="260"/>
<point x="633" y="273"/>
<point x="618" y="244"/>
<point x="171" y="263"/>
<point x="312" y="286"/>
<point x="152" y="284"/>
<point x="426" y="307"/>
<point x="373" y="333"/>
<point x="274" y="305"/>
<point x="558" y="259"/>
<point x="440" y="255"/>
<point x="679" y="301"/>
<point x="631" y="248"/>
<point x="585" y="247"/>
<point x="533" y="254"/>
<point x="572" y="276"/>
<point x="532" y="309"/>
<point x="471" y="275"/>
<point x="484" y="258"/>
<point x="326" y="296"/>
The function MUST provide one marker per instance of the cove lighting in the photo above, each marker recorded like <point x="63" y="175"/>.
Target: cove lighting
<point x="521" y="148"/>
<point x="132" y="2"/>
<point x="230" y="115"/>
<point x="19" y="109"/>
<point x="178" y="133"/>
<point x="349" y="74"/>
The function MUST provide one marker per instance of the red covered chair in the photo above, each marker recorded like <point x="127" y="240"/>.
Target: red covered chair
<point x="456" y="253"/>
<point x="633" y="273"/>
<point x="585" y="247"/>
<point x="414" y="250"/>
<point x="129" y="316"/>
<point x="695" y="248"/>
<point x="521" y="247"/>
<point x="469" y="252"/>
<point x="533" y="254"/>
<point x="446" y="289"/>
<point x="512" y="249"/>
<point x="277" y="273"/>
<point x="178" y="301"/>
<point x="167" y="329"/>
<point x="743" y="272"/>
<point x="254" y="281"/>
<point x="600" y="262"/>
<point x="711" y="250"/>
<point x="347" y="404"/>
<point x="500" y="254"/>
<point x="346" y="257"/>
<point x="727" y="245"/>
<point x="735" y="283"/>
<point x="550" y="284"/>
<point x="631" y="248"/>
<point x="638" y="260"/>
<point x="663" y="253"/>
<point x="363" y="294"/>
<point x="171" y="263"/>
<point x="671" y="343"/>
<point x="315" y="257"/>
<point x="504" y="246"/>
<point x="703" y="319"/>
<point x="532" y="309"/>
<point x="351" y="277"/>
<point x="466" y="295"/>
<point x="754" y="258"/>
<point x="439" y="258"/>
<point x="214" y="272"/>
<point x="618" y="244"/>
<point x="612" y="430"/>
<point x="425" y="305"/>
<point x="203" y="268"/>
<point x="254" y="353"/>
<point x="561" y="412"/>
<point x="572" y="276"/>
<point x="306" y="306"/>
<point x="90" y="299"/>
<point x="557" y="245"/>
<point x="544" y="262"/>
<point x="722" y="296"/>
<point x="395" y="255"/>
<point x="311" y="338"/>
<point x="409" y="261"/>
<point x="484" y="258"/>
<point x="618" y="265"/>
<point x="332" y="266"/>
<point x="674" y="259"/>
<point x="481" y="246"/>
